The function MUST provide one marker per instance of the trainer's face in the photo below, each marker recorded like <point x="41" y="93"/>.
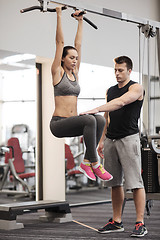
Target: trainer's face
<point x="70" y="60"/>
<point x="122" y="73"/>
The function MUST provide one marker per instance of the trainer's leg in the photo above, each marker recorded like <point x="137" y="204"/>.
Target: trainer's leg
<point x="112" y="164"/>
<point x="139" y="201"/>
<point x="117" y="202"/>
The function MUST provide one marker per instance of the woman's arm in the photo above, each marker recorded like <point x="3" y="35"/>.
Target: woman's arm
<point x="56" y="65"/>
<point x="78" y="38"/>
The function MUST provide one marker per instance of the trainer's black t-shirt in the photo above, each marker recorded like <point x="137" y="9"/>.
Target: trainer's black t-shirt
<point x="124" y="121"/>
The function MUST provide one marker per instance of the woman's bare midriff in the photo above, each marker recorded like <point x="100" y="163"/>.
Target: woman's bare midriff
<point x="65" y="106"/>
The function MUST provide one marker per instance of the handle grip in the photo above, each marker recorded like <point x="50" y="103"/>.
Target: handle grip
<point x="86" y="19"/>
<point x="31" y="9"/>
<point x="80" y="14"/>
<point x="40" y="8"/>
<point x="54" y="10"/>
<point x="6" y="149"/>
<point x="91" y="23"/>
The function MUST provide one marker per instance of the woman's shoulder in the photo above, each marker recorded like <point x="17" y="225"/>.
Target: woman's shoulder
<point x="75" y="74"/>
<point x="58" y="75"/>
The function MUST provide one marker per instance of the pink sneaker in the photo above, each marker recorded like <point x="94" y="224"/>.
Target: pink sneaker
<point x="87" y="170"/>
<point x="102" y="173"/>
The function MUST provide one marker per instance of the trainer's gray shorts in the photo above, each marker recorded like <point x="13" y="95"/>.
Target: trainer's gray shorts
<point x="123" y="161"/>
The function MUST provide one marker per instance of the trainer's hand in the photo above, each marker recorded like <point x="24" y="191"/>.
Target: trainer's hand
<point x="93" y="111"/>
<point x="100" y="149"/>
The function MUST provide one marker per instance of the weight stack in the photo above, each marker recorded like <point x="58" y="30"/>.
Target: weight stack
<point x="150" y="170"/>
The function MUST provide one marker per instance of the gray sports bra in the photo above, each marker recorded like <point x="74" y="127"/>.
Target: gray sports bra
<point x="66" y="87"/>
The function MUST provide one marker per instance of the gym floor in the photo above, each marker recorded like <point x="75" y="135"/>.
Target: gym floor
<point x="85" y="222"/>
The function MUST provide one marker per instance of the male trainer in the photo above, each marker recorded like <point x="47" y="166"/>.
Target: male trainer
<point x="120" y="142"/>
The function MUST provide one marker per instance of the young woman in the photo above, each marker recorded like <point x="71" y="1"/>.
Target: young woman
<point x="65" y="121"/>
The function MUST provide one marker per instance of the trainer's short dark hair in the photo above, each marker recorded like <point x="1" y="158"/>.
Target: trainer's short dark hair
<point x="124" y="59"/>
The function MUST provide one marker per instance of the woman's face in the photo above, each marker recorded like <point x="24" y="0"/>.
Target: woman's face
<point x="70" y="60"/>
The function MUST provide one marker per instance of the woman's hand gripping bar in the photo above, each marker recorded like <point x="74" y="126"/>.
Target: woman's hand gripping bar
<point x="86" y="19"/>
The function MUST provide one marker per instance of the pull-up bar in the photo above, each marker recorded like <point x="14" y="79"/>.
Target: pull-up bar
<point x="106" y="12"/>
<point x="40" y="8"/>
<point x="43" y="8"/>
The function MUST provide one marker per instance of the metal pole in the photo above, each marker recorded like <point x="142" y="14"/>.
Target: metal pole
<point x="140" y="63"/>
<point x="140" y="76"/>
<point x="158" y="49"/>
<point x="149" y="88"/>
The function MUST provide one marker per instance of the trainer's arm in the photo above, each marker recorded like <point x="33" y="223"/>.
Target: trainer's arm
<point x="135" y="93"/>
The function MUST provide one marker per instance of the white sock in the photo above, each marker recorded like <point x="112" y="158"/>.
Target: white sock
<point x="96" y="165"/>
<point x="86" y="162"/>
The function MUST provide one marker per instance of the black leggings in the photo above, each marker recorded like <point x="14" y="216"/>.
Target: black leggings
<point x="90" y="126"/>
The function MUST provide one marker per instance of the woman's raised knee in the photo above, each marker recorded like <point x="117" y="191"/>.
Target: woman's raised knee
<point x="100" y="119"/>
<point x="89" y="120"/>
